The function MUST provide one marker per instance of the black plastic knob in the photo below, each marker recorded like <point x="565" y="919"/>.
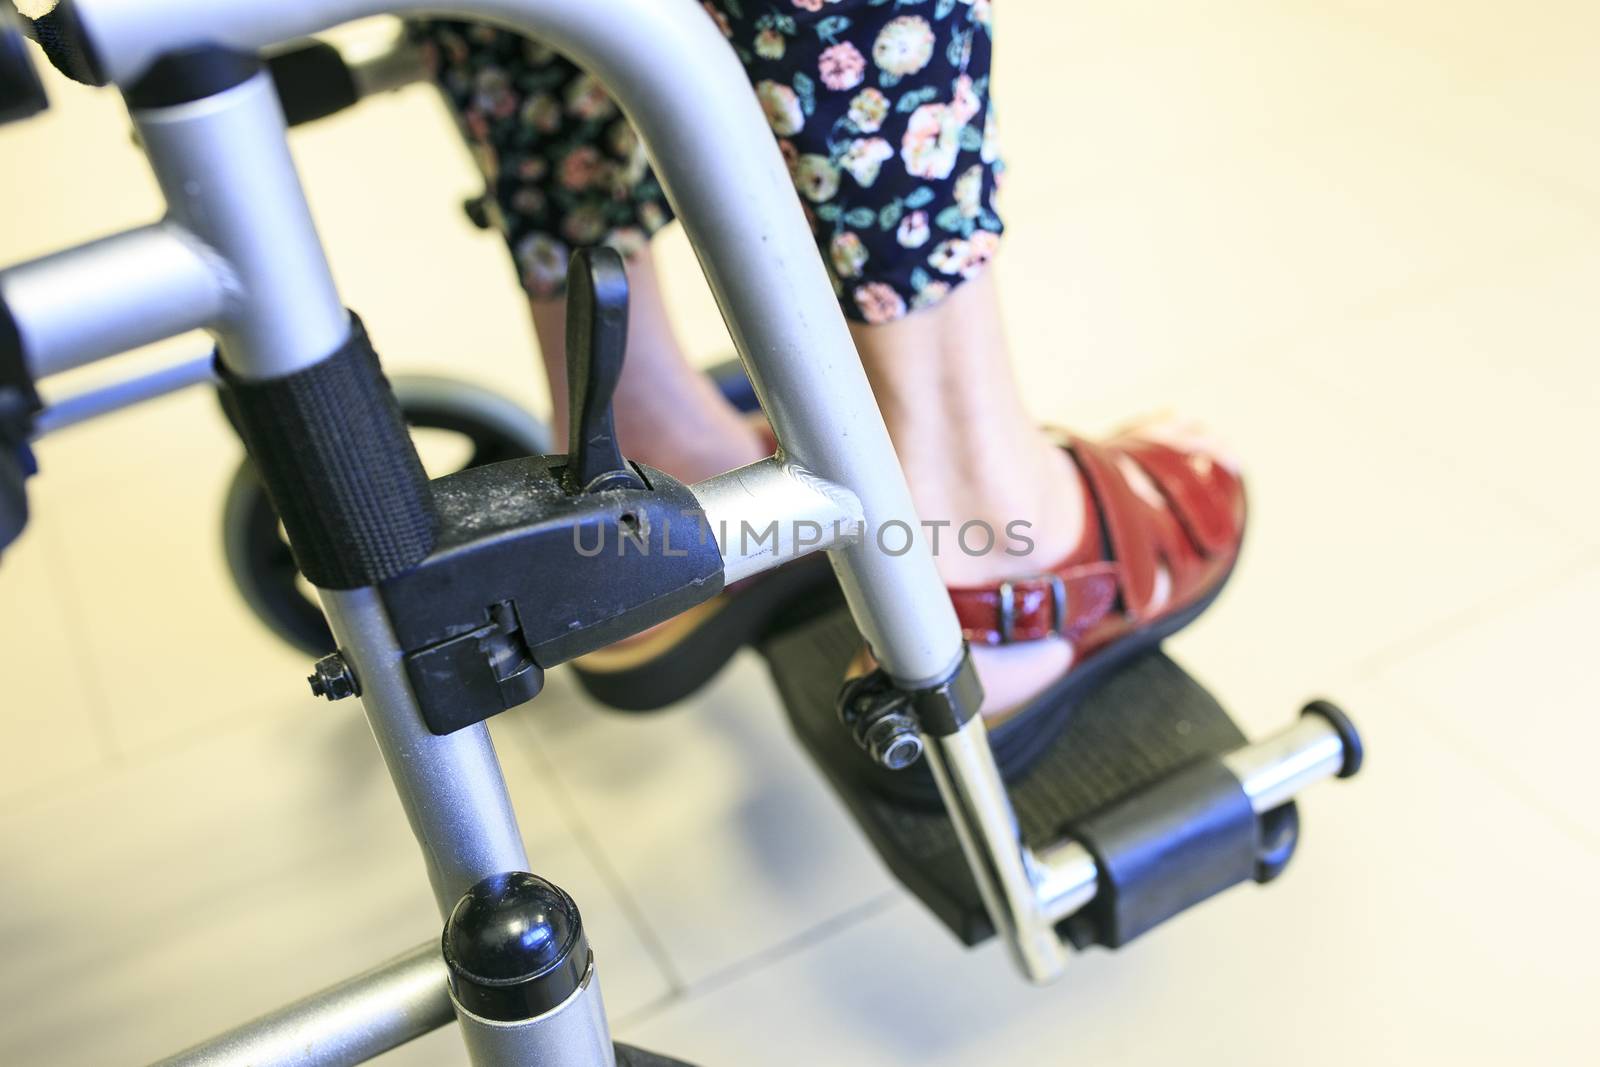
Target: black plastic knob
<point x="515" y="947"/>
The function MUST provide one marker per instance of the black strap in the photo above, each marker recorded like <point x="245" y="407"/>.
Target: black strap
<point x="339" y="466"/>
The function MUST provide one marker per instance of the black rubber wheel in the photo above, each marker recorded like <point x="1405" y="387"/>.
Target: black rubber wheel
<point x="492" y="428"/>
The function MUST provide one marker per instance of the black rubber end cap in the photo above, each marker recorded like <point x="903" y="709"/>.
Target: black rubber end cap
<point x="1354" y="751"/>
<point x="515" y="947"/>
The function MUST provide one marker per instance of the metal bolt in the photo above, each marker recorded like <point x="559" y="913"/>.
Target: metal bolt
<point x="881" y="721"/>
<point x="893" y="741"/>
<point x="333" y="678"/>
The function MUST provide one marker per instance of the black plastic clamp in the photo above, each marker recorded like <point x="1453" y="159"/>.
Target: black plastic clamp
<point x="313" y="81"/>
<point x="543" y="559"/>
<point x="1171" y="845"/>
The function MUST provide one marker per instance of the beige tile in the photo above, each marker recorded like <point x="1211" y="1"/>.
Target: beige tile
<point x="1498" y="379"/>
<point x="727" y="839"/>
<point x="183" y="896"/>
<point x="1513" y="691"/>
<point x="50" y="703"/>
<point x="1118" y="283"/>
<point x="1394" y="938"/>
<point x="133" y="505"/>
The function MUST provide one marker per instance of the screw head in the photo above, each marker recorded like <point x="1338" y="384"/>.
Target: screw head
<point x="893" y="742"/>
<point x="332" y="678"/>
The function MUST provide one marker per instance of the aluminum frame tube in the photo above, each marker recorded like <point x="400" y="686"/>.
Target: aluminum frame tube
<point x="345" y="1024"/>
<point x="572" y="1034"/>
<point x="113" y="295"/>
<point x="742" y="505"/>
<point x="742" y="216"/>
<point x="70" y="411"/>
<point x="451" y="787"/>
<point x="223" y="164"/>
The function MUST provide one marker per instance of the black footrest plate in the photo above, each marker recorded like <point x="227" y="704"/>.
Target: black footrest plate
<point x="1135" y="727"/>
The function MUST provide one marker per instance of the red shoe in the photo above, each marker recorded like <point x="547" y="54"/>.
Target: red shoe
<point x="1164" y="526"/>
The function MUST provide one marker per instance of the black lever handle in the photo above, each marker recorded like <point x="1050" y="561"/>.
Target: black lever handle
<point x="597" y="341"/>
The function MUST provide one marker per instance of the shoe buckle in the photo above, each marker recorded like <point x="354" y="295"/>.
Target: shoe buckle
<point x="1008" y="605"/>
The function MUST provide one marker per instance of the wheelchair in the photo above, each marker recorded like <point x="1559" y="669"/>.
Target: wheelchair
<point x="443" y="601"/>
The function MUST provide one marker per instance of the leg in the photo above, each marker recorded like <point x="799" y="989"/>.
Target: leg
<point x="566" y="171"/>
<point x="971" y="453"/>
<point x="884" y="113"/>
<point x="669" y="415"/>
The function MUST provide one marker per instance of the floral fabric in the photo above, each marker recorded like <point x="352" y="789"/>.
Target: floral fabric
<point x="881" y="108"/>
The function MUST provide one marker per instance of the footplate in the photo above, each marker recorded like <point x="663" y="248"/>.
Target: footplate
<point x="1134" y="780"/>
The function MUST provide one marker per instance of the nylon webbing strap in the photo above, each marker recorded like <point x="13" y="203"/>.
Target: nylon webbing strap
<point x="338" y="464"/>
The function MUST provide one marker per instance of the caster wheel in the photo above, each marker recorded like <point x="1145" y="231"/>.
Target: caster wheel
<point x="456" y="426"/>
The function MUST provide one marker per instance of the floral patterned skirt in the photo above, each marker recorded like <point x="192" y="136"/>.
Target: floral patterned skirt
<point x="881" y="108"/>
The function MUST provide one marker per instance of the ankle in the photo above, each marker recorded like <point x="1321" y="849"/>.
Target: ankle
<point x="1016" y="515"/>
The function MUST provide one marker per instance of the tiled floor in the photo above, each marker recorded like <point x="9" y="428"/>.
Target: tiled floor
<point x="1360" y="239"/>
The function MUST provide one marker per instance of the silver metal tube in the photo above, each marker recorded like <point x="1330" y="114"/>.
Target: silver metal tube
<point x="979" y="807"/>
<point x="1273" y="771"/>
<point x="451" y="787"/>
<point x="773" y="512"/>
<point x="113" y="295"/>
<point x="345" y="1024"/>
<point x="573" y="1034"/>
<point x="1066" y="878"/>
<point x="223" y="163"/>
<point x="72" y="410"/>
<point x="653" y="55"/>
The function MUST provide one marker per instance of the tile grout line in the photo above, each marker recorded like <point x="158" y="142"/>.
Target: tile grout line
<point x="96" y="698"/>
<point x="1374" y="667"/>
<point x="788" y="948"/>
<point x="1510" y="781"/>
<point x="592" y="849"/>
<point x="1468" y="618"/>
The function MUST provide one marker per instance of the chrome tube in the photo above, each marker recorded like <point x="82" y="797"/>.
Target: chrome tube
<point x="72" y="410"/>
<point x="223" y="164"/>
<point x="113" y="295"/>
<point x="979" y="807"/>
<point x="345" y="1024"/>
<point x="773" y="512"/>
<point x="572" y="1034"/>
<point x="1066" y="878"/>
<point x="451" y="787"/>
<point x="1273" y="771"/>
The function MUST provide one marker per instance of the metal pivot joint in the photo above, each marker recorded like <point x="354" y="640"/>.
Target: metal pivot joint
<point x="889" y="722"/>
